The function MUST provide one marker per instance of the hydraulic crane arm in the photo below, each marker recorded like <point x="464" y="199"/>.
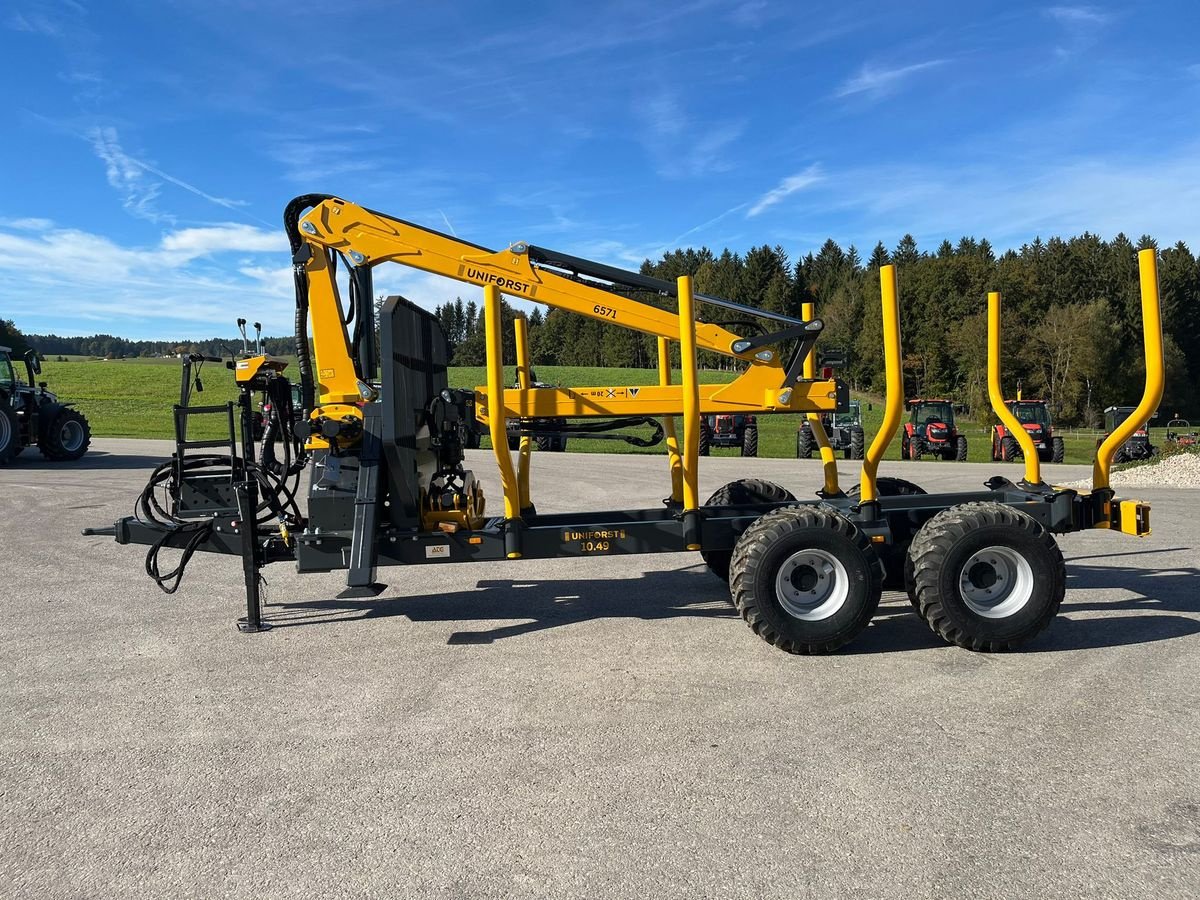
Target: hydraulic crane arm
<point x="335" y="228"/>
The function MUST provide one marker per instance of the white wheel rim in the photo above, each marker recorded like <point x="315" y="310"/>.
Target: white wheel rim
<point x="71" y="436"/>
<point x="996" y="582"/>
<point x="812" y="585"/>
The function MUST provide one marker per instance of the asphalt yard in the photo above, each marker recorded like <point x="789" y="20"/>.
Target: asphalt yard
<point x="600" y="727"/>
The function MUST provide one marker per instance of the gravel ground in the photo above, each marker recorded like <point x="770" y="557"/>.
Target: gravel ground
<point x="599" y="728"/>
<point x="1180" y="471"/>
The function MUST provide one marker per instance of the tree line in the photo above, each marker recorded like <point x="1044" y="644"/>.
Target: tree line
<point x="1072" y="318"/>
<point x="108" y="346"/>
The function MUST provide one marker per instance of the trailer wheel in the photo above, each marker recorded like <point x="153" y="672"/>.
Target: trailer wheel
<point x="10" y="435"/>
<point x="705" y="438"/>
<point x="804" y="442"/>
<point x="805" y="579"/>
<point x="986" y="576"/>
<point x="960" y="448"/>
<point x="1009" y="448"/>
<point x="737" y="493"/>
<point x="750" y="441"/>
<point x="858" y="444"/>
<point x="67" y="438"/>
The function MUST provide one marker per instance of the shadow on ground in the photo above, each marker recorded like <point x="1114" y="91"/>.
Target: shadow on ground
<point x="93" y="460"/>
<point x="1159" y="598"/>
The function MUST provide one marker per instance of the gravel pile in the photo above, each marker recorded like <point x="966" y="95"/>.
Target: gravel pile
<point x="1180" y="471"/>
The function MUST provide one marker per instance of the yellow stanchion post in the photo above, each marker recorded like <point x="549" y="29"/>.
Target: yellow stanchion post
<point x="691" y="412"/>
<point x="676" y="464"/>
<point x="828" y="460"/>
<point x="524" y="382"/>
<point x="1033" y="466"/>
<point x="1152" y="345"/>
<point x="497" y="419"/>
<point x="894" y="399"/>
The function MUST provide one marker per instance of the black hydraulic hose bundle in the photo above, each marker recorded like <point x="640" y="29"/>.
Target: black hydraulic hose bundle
<point x="291" y="224"/>
<point x="277" y="504"/>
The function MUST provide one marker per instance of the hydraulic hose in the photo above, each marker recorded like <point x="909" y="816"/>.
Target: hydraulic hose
<point x="291" y="224"/>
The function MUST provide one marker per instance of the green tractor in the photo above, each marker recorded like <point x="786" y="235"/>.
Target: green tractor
<point x="30" y="414"/>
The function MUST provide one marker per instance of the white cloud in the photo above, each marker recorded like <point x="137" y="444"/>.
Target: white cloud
<point x="786" y="188"/>
<point x="1079" y="15"/>
<point x="876" y="81"/>
<point x="27" y="223"/>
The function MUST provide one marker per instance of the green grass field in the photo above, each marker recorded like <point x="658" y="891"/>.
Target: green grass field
<point x="133" y="398"/>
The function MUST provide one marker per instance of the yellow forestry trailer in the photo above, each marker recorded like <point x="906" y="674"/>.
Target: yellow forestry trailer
<point x="382" y="436"/>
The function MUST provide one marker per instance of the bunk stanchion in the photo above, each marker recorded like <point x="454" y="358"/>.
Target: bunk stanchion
<point x="691" y="412"/>
<point x="1152" y="344"/>
<point x="1033" y="466"/>
<point x="828" y="461"/>
<point x="894" y="399"/>
<point x="664" y="379"/>
<point x="524" y="382"/>
<point x="497" y="424"/>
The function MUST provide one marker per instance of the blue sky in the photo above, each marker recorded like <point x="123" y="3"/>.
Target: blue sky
<point x="151" y="147"/>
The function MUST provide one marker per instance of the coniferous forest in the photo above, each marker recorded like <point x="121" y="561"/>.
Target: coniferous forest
<point x="1072" y="317"/>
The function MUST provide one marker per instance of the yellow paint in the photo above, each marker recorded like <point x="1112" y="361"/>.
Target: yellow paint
<point x="691" y="393"/>
<point x="495" y="387"/>
<point x="894" y="400"/>
<point x="1033" y="473"/>
<point x="1152" y="344"/>
<point x="673" y="457"/>
<point x="524" y="383"/>
<point x="828" y="462"/>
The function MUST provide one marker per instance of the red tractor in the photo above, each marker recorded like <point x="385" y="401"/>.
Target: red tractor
<point x="729" y="430"/>
<point x="1034" y="416"/>
<point x="931" y="430"/>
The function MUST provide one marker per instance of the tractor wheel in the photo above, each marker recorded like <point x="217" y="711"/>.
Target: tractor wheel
<point x="804" y="442"/>
<point x="738" y="493"/>
<point x="1120" y="456"/>
<point x="806" y="580"/>
<point x="1059" y="450"/>
<point x="904" y="447"/>
<point x="10" y="435"/>
<point x="544" y="442"/>
<point x="559" y="444"/>
<point x="705" y="438"/>
<point x="1009" y="448"/>
<point x="915" y="449"/>
<point x="960" y="448"/>
<point x="896" y="568"/>
<point x="986" y="576"/>
<point x="67" y="437"/>
<point x="858" y="444"/>
<point x="750" y="441"/>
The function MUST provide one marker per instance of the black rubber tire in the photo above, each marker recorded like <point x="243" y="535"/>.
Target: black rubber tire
<point x="904" y="447"/>
<point x="948" y="540"/>
<point x="1009" y="448"/>
<point x="769" y="542"/>
<point x="67" y="438"/>
<point x="858" y="444"/>
<point x="705" y="438"/>
<point x="559" y="445"/>
<point x="804" y="442"/>
<point x="916" y="449"/>
<point x="750" y="441"/>
<point x="1058" y="450"/>
<point x="10" y="435"/>
<point x="960" y="448"/>
<point x="746" y="490"/>
<point x="896" y="568"/>
<point x="544" y="442"/>
<point x="1120" y="456"/>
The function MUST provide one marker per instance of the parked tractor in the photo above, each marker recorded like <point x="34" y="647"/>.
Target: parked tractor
<point x="30" y="414"/>
<point x="1181" y="434"/>
<point x="844" y="430"/>
<point x="931" y="430"/>
<point x="737" y="431"/>
<point x="1138" y="445"/>
<point x="1034" y="416"/>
